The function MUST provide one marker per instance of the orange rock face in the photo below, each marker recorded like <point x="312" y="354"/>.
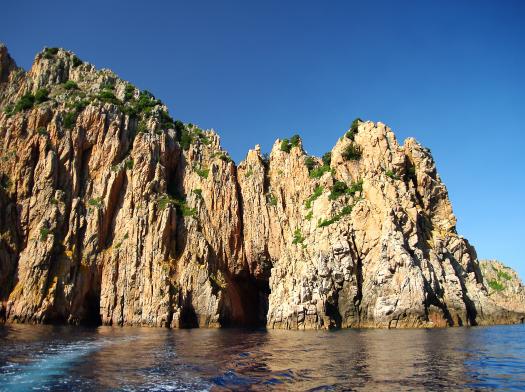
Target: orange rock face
<point x="113" y="213"/>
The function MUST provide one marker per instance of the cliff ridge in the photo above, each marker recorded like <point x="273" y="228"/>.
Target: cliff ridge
<point x="114" y="213"/>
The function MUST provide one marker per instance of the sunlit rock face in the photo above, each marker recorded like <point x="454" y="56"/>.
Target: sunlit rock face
<point x="504" y="285"/>
<point x="113" y="213"/>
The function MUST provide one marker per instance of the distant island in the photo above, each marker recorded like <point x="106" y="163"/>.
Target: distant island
<point x="114" y="213"/>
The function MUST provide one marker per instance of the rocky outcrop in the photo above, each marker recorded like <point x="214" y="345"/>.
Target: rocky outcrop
<point x="114" y="213"/>
<point x="504" y="286"/>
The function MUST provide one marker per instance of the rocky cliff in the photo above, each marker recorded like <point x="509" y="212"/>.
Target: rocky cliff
<point x="113" y="213"/>
<point x="504" y="286"/>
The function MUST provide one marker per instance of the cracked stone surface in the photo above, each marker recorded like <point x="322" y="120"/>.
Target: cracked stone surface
<point x="112" y="213"/>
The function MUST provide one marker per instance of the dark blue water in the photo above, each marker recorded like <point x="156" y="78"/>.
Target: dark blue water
<point x="153" y="359"/>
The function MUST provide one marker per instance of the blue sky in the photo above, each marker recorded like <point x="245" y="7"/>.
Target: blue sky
<point x="449" y="73"/>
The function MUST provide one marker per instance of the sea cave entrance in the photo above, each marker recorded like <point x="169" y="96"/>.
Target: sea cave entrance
<point x="245" y="303"/>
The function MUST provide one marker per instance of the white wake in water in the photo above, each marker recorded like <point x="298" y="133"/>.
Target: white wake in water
<point x="45" y="367"/>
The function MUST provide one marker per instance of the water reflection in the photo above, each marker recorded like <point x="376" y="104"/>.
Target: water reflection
<point x="143" y="359"/>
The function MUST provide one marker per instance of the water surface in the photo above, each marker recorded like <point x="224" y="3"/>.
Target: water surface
<point x="155" y="359"/>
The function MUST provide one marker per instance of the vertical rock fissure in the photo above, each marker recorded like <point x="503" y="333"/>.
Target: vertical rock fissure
<point x="469" y="304"/>
<point x="359" y="278"/>
<point x="9" y="249"/>
<point x="115" y="201"/>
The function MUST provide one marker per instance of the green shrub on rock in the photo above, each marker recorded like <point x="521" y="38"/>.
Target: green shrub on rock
<point x="28" y="100"/>
<point x="44" y="233"/>
<point x="71" y="85"/>
<point x="286" y="146"/>
<point x="179" y="126"/>
<point x="76" y="61"/>
<point x="198" y="192"/>
<point x="108" y="85"/>
<point x="142" y="127"/>
<point x="355" y="187"/>
<point x="392" y="175"/>
<point x="496" y="286"/>
<point x="272" y="200"/>
<point x="165" y="120"/>
<point x="327" y="158"/>
<point x="504" y="275"/>
<point x="146" y="102"/>
<point x="186" y="139"/>
<point x="327" y="222"/>
<point x="107" y="96"/>
<point x="202" y="171"/>
<point x="41" y="95"/>
<point x="249" y="172"/>
<point x="338" y="190"/>
<point x="352" y="153"/>
<point x="180" y="205"/>
<point x="24" y="103"/>
<point x="69" y="120"/>
<point x="79" y="105"/>
<point x="350" y="134"/>
<point x="346" y="210"/>
<point x="95" y="202"/>
<point x="184" y="210"/>
<point x="9" y="109"/>
<point x="295" y="140"/>
<point x="224" y="157"/>
<point x="297" y="237"/>
<point x="319" y="171"/>
<point x="316" y="171"/>
<point x="50" y="53"/>
<point x="164" y="201"/>
<point x="310" y="163"/>
<point x="128" y="164"/>
<point x="129" y="92"/>
<point x="318" y="191"/>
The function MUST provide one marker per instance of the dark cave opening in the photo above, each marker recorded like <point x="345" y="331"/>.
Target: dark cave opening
<point x="332" y="311"/>
<point x="92" y="317"/>
<point x="245" y="303"/>
<point x="188" y="316"/>
<point x="3" y="313"/>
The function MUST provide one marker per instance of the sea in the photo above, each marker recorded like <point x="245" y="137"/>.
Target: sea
<point x="65" y="358"/>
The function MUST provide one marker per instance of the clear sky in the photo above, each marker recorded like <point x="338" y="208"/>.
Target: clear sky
<point x="449" y="73"/>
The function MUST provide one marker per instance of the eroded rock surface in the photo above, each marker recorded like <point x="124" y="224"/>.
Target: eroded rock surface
<point x="504" y="285"/>
<point x="113" y="213"/>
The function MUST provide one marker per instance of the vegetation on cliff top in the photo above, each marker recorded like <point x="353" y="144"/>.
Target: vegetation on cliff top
<point x="143" y="106"/>
<point x="350" y="134"/>
<point x="287" y="144"/>
<point x="140" y="105"/>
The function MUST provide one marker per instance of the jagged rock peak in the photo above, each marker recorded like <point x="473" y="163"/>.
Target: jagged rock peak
<point x="114" y="213"/>
<point x="7" y="64"/>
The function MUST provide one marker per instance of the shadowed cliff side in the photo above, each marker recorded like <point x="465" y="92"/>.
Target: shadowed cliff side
<point x="114" y="213"/>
